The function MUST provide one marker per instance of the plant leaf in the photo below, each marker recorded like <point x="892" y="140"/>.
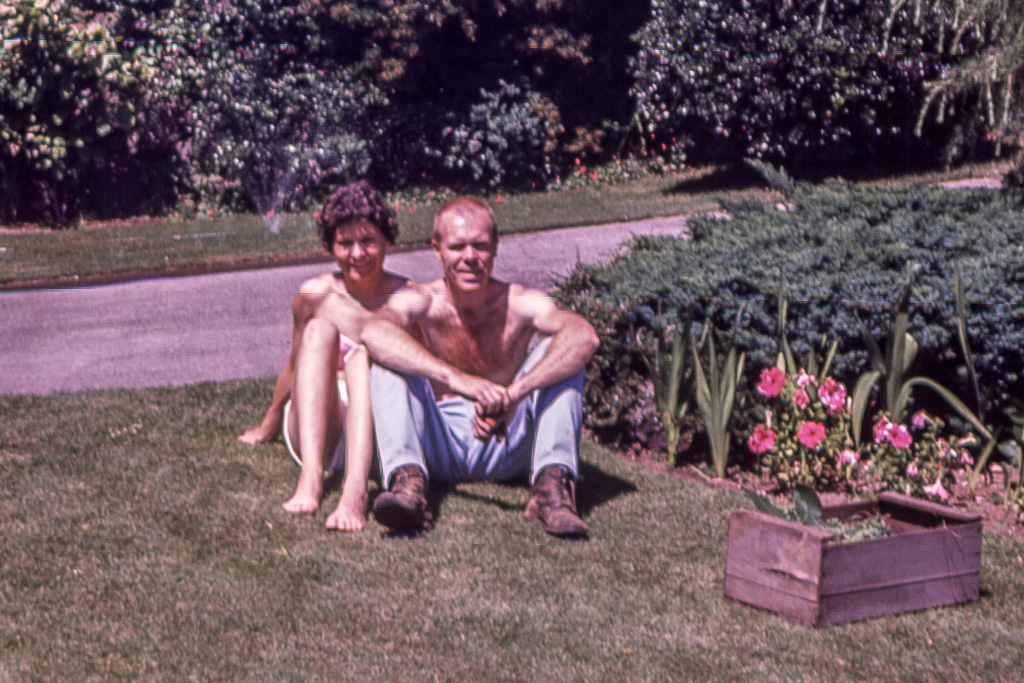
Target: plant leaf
<point x="807" y="505"/>
<point x="861" y="394"/>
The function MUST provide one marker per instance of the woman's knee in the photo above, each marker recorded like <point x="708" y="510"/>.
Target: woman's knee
<point x="320" y="332"/>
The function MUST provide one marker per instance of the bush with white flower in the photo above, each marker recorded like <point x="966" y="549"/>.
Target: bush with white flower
<point x="805" y="437"/>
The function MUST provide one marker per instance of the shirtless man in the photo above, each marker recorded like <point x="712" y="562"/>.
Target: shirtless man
<point x="462" y="395"/>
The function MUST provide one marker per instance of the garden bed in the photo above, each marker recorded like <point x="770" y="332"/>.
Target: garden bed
<point x="932" y="558"/>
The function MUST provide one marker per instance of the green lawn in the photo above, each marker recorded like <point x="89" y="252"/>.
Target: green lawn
<point x="90" y="254"/>
<point x="142" y="541"/>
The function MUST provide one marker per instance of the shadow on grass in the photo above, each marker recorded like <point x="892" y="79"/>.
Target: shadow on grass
<point x="595" y="488"/>
<point x="732" y="177"/>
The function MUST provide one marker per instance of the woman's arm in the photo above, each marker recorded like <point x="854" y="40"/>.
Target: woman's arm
<point x="303" y="307"/>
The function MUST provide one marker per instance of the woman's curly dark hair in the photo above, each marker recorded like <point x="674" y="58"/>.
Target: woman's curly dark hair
<point x="352" y="202"/>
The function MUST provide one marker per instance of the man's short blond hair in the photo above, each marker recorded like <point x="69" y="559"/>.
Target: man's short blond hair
<point x="468" y="208"/>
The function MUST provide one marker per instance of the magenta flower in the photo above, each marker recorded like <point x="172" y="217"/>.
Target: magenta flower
<point x="937" y="490"/>
<point x="772" y="380"/>
<point x="898" y="436"/>
<point x="811" y="434"/>
<point x="881" y="428"/>
<point x="803" y="379"/>
<point x="895" y="434"/>
<point x="965" y="458"/>
<point x="833" y="395"/>
<point x="761" y="440"/>
<point x="801" y="399"/>
<point x="848" y="456"/>
<point x="920" y="419"/>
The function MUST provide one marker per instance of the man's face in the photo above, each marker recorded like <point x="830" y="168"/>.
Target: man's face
<point x="466" y="247"/>
<point x="359" y="249"/>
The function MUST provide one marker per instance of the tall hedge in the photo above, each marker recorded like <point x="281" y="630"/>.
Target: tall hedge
<point x="785" y="81"/>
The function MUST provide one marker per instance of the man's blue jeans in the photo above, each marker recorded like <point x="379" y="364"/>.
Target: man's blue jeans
<point x="413" y="428"/>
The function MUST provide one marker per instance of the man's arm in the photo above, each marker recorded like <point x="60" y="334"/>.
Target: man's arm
<point x="390" y="344"/>
<point x="573" y="342"/>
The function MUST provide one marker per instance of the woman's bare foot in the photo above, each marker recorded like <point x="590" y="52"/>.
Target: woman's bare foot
<point x="307" y="494"/>
<point x="350" y="514"/>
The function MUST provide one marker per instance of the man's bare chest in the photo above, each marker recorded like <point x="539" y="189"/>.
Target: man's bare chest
<point x="493" y="349"/>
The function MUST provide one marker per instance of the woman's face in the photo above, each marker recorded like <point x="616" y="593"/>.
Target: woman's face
<point x="359" y="248"/>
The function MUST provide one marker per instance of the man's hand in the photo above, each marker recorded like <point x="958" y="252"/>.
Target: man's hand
<point x="486" y="427"/>
<point x="491" y="398"/>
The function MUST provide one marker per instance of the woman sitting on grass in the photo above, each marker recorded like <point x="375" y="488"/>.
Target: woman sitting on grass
<point x="327" y="424"/>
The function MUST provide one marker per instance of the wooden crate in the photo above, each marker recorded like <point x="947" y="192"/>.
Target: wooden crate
<point x="932" y="558"/>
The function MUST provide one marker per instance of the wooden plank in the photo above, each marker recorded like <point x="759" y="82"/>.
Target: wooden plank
<point x="901" y="559"/>
<point x="883" y="601"/>
<point x="909" y="508"/>
<point x="775" y="554"/>
<point x="847" y="510"/>
<point x="785" y="604"/>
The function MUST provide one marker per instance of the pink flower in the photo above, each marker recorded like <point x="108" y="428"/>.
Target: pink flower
<point x="881" y="427"/>
<point x="833" y="395"/>
<point x="761" y="440"/>
<point x="920" y="419"/>
<point x="912" y="470"/>
<point x="937" y="490"/>
<point x="848" y="456"/>
<point x="801" y="399"/>
<point x="772" y="380"/>
<point x="811" y="434"/>
<point x="768" y="419"/>
<point x="968" y="440"/>
<point x="965" y="458"/>
<point x="803" y="379"/>
<point x="898" y="436"/>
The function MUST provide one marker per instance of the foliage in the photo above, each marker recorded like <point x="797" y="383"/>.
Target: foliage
<point x="506" y="140"/>
<point x="715" y="393"/>
<point x="976" y="94"/>
<point x="807" y="510"/>
<point x="894" y="366"/>
<point x="805" y="437"/>
<point x="726" y="80"/>
<point x="673" y="379"/>
<point x="842" y="250"/>
<point x="69" y="96"/>
<point x="920" y="461"/>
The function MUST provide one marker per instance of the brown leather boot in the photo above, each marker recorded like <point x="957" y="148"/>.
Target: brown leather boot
<point x="553" y="504"/>
<point x="403" y="507"/>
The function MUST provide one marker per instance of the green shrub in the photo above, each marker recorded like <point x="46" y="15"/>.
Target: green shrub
<point x="793" y="81"/>
<point x="69" y="100"/>
<point x="842" y="253"/>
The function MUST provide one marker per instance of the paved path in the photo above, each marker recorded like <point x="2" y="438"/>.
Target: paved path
<point x="225" y="326"/>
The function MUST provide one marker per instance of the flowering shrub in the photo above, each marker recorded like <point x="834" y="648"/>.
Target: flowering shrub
<point x="921" y="464"/>
<point x="805" y="437"/>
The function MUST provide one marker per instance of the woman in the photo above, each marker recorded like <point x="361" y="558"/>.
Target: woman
<point x="328" y="423"/>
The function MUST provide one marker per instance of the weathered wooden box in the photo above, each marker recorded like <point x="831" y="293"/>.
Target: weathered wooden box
<point x="932" y="558"/>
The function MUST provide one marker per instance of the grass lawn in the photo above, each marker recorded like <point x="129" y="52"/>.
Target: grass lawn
<point x="142" y="541"/>
<point x="32" y="257"/>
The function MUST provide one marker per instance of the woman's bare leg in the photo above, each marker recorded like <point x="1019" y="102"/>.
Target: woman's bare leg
<point x="352" y="508"/>
<point x="316" y="406"/>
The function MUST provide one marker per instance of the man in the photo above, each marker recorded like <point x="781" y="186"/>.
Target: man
<point x="458" y="392"/>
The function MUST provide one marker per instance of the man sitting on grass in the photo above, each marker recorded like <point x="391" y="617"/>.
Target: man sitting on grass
<point x="462" y="396"/>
